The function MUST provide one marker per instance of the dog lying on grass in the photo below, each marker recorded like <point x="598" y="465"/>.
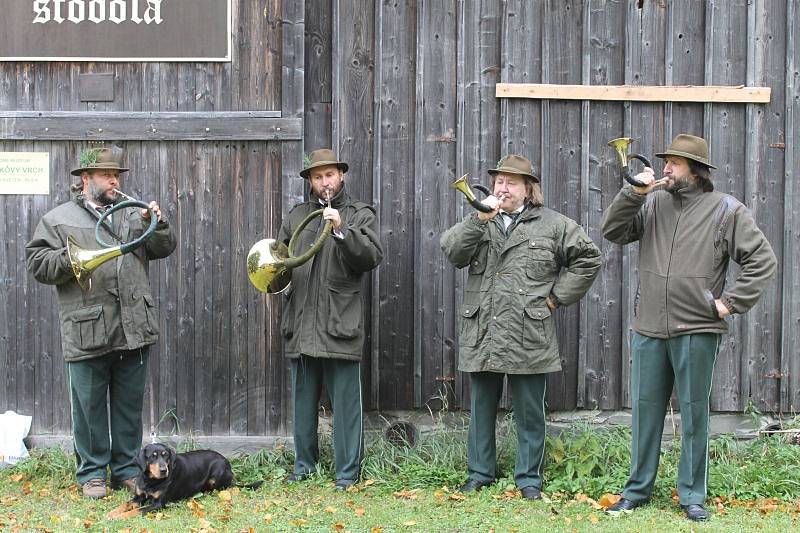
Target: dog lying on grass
<point x="167" y="477"/>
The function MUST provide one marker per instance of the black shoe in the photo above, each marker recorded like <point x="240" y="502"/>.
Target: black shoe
<point x="531" y="493"/>
<point x="474" y="485"/>
<point x="296" y="478"/>
<point x="344" y="484"/>
<point x="695" y="512"/>
<point x="623" y="506"/>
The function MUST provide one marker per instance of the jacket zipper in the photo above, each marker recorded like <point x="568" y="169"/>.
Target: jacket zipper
<point x="669" y="267"/>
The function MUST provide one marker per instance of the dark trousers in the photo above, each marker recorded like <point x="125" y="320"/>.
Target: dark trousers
<point x="688" y="362"/>
<point x="527" y="394"/>
<point x="106" y="395"/>
<point x="343" y="381"/>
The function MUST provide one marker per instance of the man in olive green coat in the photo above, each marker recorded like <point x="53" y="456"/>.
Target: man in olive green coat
<point x="687" y="235"/>
<point x="107" y="329"/>
<point x="322" y="323"/>
<point x="524" y="261"/>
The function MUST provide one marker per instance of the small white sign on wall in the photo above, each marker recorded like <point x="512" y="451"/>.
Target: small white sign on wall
<point x="24" y="173"/>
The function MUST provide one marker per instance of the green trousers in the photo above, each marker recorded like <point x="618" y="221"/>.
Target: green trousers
<point x="343" y="381"/>
<point x="527" y="395"/>
<point x="688" y="362"/>
<point x="106" y="395"/>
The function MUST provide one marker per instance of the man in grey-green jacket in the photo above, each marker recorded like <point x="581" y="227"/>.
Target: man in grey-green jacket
<point x="524" y="260"/>
<point x="687" y="234"/>
<point x="322" y="325"/>
<point x="107" y="329"/>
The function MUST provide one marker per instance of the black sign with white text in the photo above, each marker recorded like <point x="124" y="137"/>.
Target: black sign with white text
<point x="115" y="30"/>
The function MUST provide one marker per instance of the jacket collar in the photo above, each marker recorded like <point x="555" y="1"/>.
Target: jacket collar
<point x="688" y="195"/>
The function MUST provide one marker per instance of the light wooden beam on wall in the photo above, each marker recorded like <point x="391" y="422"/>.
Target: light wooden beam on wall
<point x="636" y="93"/>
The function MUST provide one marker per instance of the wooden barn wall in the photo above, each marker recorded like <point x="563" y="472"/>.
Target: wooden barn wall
<point x="405" y="90"/>
<point x="217" y="369"/>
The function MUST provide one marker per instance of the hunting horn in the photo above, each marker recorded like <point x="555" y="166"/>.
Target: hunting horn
<point x="270" y="262"/>
<point x="621" y="146"/>
<point x="463" y="185"/>
<point x="84" y="262"/>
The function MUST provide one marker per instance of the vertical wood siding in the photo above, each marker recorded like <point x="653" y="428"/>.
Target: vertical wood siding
<point x="404" y="90"/>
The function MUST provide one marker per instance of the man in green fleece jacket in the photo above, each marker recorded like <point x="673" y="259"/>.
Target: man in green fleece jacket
<point x="687" y="234"/>
<point x="105" y="331"/>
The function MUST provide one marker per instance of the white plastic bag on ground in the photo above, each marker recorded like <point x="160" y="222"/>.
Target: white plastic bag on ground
<point x="13" y="428"/>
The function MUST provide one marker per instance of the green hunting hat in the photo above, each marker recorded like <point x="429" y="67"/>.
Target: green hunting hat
<point x="514" y="164"/>
<point x="321" y="158"/>
<point x="689" y="147"/>
<point x="100" y="158"/>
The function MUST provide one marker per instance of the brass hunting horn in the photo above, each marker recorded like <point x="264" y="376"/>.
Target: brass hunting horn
<point x="463" y="185"/>
<point x="270" y="262"/>
<point x="84" y="261"/>
<point x="621" y="146"/>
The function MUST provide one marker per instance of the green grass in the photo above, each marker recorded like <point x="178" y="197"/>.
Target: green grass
<point x="757" y="484"/>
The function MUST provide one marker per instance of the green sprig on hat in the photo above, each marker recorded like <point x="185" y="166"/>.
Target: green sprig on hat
<point x="90" y="157"/>
<point x="306" y="160"/>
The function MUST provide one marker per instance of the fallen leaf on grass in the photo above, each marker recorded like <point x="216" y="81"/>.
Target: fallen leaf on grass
<point x="607" y="500"/>
<point x="330" y="509"/>
<point x="593" y="519"/>
<point x="338" y="526"/>
<point x="376" y="529"/>
<point x="406" y="494"/>
<point x="360" y="511"/>
<point x="409" y="523"/>
<point x="369" y="482"/>
<point x="16" y="478"/>
<point x="224" y="495"/>
<point x="585" y="499"/>
<point x="26" y="488"/>
<point x="298" y="522"/>
<point x="268" y="518"/>
<point x="457" y="496"/>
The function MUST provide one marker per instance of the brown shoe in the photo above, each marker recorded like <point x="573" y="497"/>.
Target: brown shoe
<point x="94" y="488"/>
<point x="128" y="484"/>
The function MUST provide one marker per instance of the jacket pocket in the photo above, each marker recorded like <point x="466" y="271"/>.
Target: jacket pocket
<point x="542" y="265"/>
<point x="468" y="335"/>
<point x="287" y="316"/>
<point x="536" y="328"/>
<point x="150" y="314"/>
<point x="89" y="328"/>
<point x="344" y="313"/>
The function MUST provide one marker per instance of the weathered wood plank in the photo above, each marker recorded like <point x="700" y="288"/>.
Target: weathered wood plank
<point x="394" y="161"/>
<point x="726" y="63"/>
<point x="561" y="170"/>
<point x="318" y="69"/>
<point x="119" y="126"/>
<point x="765" y="173"/>
<point x="239" y="379"/>
<point x="434" y="159"/>
<point x="637" y="93"/>
<point x="600" y="361"/>
<point x="686" y="65"/>
<point x="790" y="330"/>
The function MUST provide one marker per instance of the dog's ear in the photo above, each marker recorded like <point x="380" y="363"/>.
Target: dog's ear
<point x="141" y="459"/>
<point x="172" y="455"/>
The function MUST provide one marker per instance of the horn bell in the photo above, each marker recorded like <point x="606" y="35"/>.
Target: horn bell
<point x="266" y="266"/>
<point x="84" y="262"/>
<point x="621" y="144"/>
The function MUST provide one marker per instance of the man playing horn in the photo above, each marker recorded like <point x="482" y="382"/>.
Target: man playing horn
<point x="322" y="326"/>
<point x="106" y="330"/>
<point x="524" y="261"/>
<point x="687" y="235"/>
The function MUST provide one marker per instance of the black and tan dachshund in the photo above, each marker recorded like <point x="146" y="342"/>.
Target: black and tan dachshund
<point x="167" y="476"/>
